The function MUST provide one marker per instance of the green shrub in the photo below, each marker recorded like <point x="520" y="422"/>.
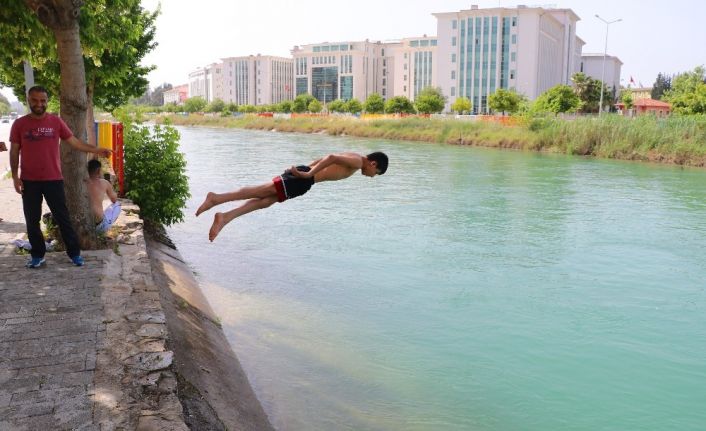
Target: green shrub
<point x="155" y="176"/>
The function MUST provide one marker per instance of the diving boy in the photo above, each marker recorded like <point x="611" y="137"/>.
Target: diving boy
<point x="292" y="183"/>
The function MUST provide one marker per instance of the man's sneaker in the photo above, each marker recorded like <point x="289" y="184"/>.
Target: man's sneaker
<point x="77" y="260"/>
<point x="35" y="262"/>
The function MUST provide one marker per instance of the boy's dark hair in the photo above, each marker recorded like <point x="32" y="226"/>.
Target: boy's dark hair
<point x="38" y="89"/>
<point x="93" y="166"/>
<point x="381" y="159"/>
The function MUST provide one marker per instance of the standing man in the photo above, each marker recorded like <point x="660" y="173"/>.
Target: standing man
<point x="34" y="140"/>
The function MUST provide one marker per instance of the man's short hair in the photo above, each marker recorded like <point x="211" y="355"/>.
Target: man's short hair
<point x="38" y="89"/>
<point x="93" y="166"/>
<point x="380" y="159"/>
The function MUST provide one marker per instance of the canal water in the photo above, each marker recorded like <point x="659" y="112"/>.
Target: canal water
<point x="465" y="289"/>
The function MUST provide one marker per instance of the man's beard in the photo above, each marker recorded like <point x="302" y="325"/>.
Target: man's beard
<point x="38" y="110"/>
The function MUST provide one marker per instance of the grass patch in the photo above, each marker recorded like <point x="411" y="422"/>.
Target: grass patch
<point x="678" y="140"/>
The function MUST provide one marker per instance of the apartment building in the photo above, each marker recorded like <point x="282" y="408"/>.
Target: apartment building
<point x="527" y="49"/>
<point x="342" y="70"/>
<point x="592" y="65"/>
<point x="411" y="66"/>
<point x="205" y="82"/>
<point x="257" y="79"/>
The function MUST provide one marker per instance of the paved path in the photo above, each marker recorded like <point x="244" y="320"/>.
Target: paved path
<point x="82" y="348"/>
<point x="50" y="327"/>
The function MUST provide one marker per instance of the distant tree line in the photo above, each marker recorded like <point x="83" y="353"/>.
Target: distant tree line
<point x="686" y="92"/>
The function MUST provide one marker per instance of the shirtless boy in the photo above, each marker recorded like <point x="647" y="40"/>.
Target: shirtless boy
<point x="97" y="189"/>
<point x="292" y="183"/>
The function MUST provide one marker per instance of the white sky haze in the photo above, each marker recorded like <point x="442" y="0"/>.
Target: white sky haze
<point x="653" y="36"/>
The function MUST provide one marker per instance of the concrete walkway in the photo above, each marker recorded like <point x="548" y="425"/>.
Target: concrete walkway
<point x="51" y="327"/>
<point x="82" y="348"/>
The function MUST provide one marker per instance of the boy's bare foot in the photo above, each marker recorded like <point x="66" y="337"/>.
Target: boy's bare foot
<point x="207" y="204"/>
<point x="216" y="227"/>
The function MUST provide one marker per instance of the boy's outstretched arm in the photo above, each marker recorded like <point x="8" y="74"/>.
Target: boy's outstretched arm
<point x="349" y="160"/>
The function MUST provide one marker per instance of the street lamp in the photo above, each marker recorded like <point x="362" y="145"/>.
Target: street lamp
<point x="605" y="51"/>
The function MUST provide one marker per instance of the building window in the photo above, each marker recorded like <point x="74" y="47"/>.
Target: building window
<point x="513" y="56"/>
<point x="384" y="81"/>
<point x="453" y="74"/>
<point x="453" y="41"/>
<point x="512" y="74"/>
<point x="384" y="62"/>
<point x="302" y="84"/>
<point x="405" y="77"/>
<point x="453" y="91"/>
<point x="346" y="87"/>
<point x="384" y="72"/>
<point x="514" y="39"/>
<point x="383" y="92"/>
<point x="405" y="66"/>
<point x="514" y="21"/>
<point x="453" y="58"/>
<point x="405" y="56"/>
<point x="404" y="88"/>
<point x="383" y="53"/>
<point x="453" y="24"/>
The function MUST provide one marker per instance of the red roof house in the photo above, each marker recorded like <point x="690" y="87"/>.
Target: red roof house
<point x="649" y="106"/>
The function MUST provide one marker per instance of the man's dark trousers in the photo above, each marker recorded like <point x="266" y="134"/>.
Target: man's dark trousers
<point x="53" y="192"/>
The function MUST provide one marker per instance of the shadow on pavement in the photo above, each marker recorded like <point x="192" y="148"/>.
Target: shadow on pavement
<point x="10" y="227"/>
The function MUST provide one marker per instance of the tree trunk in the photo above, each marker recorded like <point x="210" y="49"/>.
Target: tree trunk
<point x="91" y="138"/>
<point x="61" y="17"/>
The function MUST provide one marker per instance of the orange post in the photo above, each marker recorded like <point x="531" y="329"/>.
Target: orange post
<point x="118" y="156"/>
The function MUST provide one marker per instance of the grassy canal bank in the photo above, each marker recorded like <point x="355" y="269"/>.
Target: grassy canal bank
<point x="676" y="140"/>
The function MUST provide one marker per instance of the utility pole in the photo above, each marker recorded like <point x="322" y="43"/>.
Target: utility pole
<point x="605" y="51"/>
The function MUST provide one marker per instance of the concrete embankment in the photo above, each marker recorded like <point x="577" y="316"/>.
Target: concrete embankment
<point x="213" y="387"/>
<point x="125" y="342"/>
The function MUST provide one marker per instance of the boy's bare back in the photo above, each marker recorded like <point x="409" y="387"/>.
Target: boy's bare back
<point x="335" y="167"/>
<point x="98" y="188"/>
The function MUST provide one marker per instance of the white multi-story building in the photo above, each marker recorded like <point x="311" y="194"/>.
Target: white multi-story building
<point x="257" y="79"/>
<point x="342" y="70"/>
<point x="592" y="65"/>
<point x="528" y="49"/>
<point x="411" y="66"/>
<point x="204" y="82"/>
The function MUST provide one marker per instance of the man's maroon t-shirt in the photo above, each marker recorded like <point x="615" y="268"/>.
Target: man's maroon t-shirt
<point x="39" y="146"/>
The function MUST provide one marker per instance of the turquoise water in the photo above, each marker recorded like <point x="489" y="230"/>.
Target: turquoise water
<point x="466" y="289"/>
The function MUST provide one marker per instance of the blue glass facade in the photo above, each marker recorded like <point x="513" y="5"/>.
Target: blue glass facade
<point x="346" y="87"/>
<point x="484" y="53"/>
<point x="505" y="57"/>
<point x="422" y="71"/>
<point x="302" y="86"/>
<point x="324" y="83"/>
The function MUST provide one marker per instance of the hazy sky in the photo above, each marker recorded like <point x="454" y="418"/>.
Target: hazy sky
<point x="654" y="36"/>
